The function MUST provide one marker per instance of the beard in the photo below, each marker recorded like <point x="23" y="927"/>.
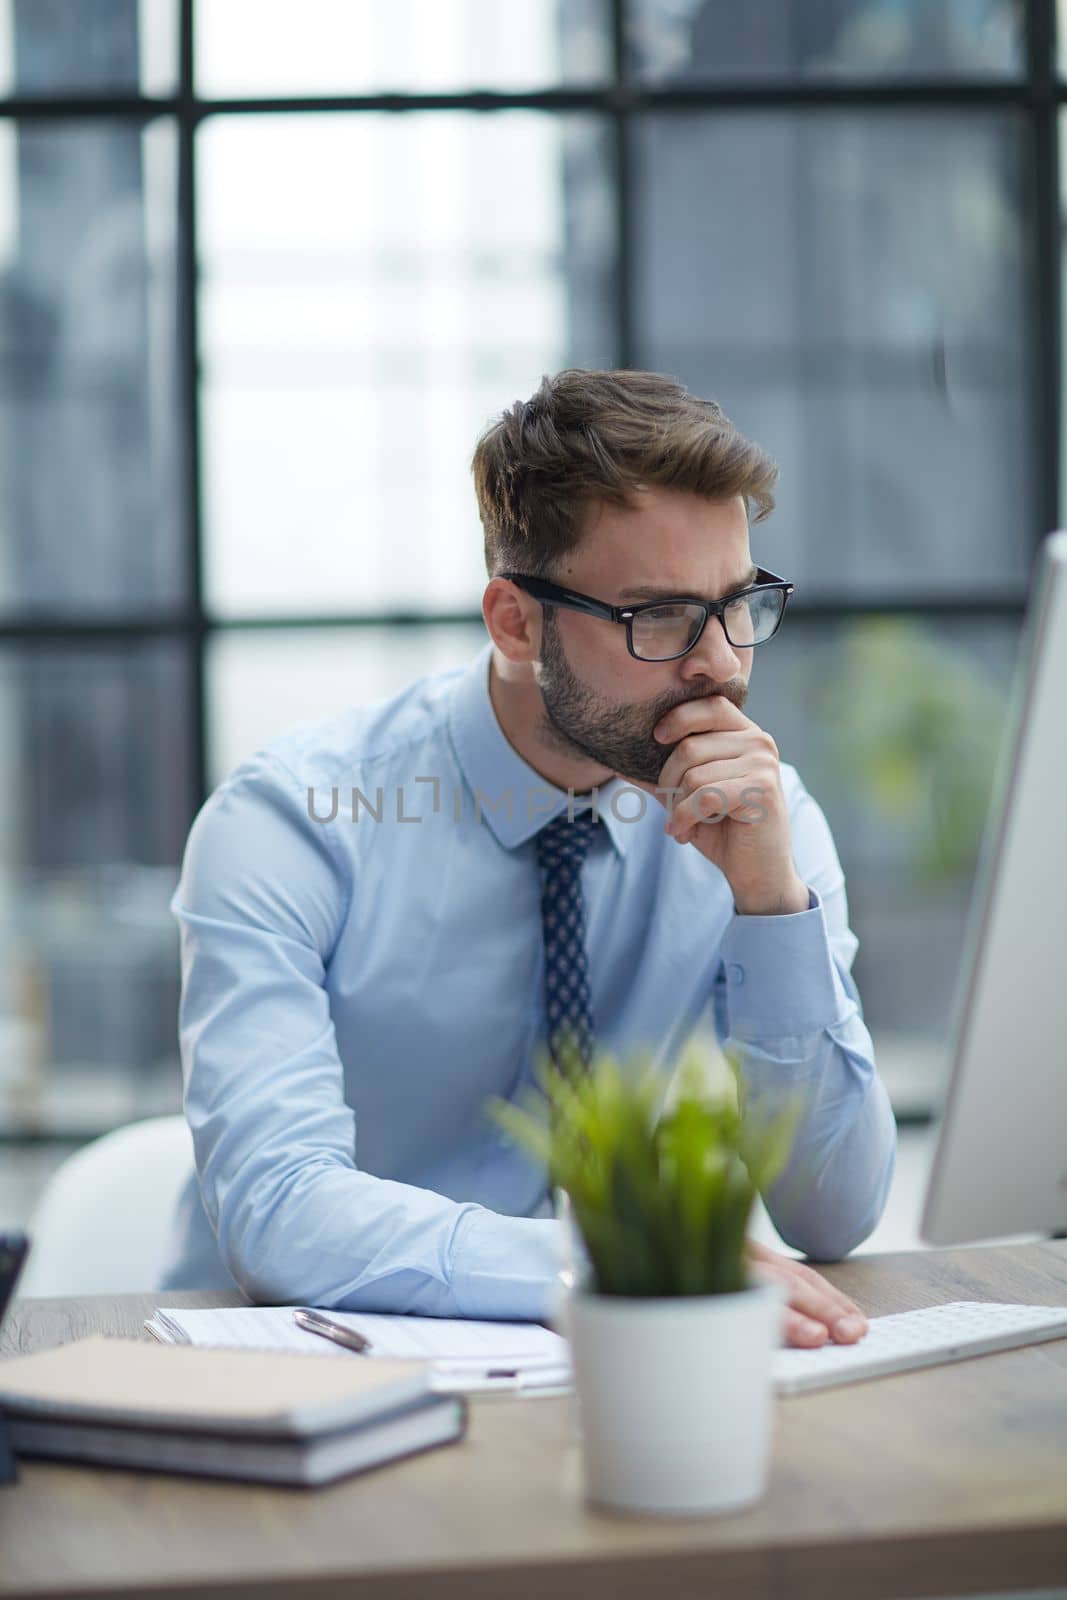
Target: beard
<point x="578" y="722"/>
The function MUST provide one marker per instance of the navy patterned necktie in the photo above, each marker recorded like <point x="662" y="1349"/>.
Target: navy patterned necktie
<point x="561" y="848"/>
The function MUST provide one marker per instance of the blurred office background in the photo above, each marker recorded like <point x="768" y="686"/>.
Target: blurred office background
<point x="266" y="270"/>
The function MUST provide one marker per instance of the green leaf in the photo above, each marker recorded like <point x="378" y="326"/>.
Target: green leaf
<point x="661" y="1174"/>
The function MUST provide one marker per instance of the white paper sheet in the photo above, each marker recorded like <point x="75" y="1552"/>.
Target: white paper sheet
<point x="464" y="1352"/>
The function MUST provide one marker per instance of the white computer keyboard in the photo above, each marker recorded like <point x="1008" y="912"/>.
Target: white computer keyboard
<point x="922" y="1338"/>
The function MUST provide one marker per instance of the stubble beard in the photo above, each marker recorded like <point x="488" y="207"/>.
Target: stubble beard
<point x="578" y="723"/>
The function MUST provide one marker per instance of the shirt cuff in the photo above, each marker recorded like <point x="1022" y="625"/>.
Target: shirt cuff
<point x="781" y="977"/>
<point x="506" y="1266"/>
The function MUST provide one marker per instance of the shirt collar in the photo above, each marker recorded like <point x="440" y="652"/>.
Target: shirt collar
<point x="493" y="767"/>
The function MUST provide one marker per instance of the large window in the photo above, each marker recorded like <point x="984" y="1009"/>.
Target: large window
<point x="266" y="270"/>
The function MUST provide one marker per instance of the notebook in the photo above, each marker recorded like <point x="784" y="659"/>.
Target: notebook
<point x="467" y="1355"/>
<point x="222" y="1413"/>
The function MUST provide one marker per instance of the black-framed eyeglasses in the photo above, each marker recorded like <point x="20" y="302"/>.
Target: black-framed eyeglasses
<point x="663" y="630"/>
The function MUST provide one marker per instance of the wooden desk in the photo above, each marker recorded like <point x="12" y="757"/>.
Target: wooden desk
<point x="951" y="1480"/>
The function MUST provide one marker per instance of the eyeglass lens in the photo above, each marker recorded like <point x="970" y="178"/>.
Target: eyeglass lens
<point x="666" y="631"/>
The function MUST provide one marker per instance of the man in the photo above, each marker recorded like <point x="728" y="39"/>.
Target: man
<point x="384" y="915"/>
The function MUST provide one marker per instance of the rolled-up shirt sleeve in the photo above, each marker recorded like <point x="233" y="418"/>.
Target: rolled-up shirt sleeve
<point x="260" y="905"/>
<point x="786" y="1003"/>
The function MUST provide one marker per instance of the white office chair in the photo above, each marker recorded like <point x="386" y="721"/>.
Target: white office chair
<point x="102" y="1224"/>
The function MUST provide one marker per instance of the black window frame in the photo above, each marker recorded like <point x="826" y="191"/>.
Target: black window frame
<point x="1038" y="95"/>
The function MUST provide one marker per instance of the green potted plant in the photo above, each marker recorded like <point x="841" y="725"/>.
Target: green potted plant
<point x="671" y="1333"/>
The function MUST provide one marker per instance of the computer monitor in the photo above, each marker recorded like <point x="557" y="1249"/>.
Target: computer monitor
<point x="1000" y="1163"/>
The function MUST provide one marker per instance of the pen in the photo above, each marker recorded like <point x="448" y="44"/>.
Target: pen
<point x="327" y="1328"/>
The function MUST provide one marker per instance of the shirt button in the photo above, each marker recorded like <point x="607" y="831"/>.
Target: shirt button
<point x="735" y="973"/>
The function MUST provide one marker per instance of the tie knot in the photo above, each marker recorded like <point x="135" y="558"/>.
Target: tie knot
<point x="564" y="841"/>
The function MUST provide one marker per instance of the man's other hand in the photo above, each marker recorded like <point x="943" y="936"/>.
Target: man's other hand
<point x="815" y="1309"/>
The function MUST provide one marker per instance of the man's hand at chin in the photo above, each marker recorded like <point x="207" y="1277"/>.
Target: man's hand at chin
<point x="816" y="1313"/>
<point x="722" y="789"/>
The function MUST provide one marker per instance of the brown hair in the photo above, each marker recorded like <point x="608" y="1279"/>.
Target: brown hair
<point x="589" y="436"/>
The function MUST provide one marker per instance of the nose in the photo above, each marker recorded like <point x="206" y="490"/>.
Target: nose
<point x="712" y="656"/>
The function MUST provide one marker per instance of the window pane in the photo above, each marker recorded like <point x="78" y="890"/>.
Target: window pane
<point x="273" y="47"/>
<point x="52" y="47"/>
<point x="688" y="41"/>
<point x="894" y="725"/>
<point x="375" y="289"/>
<point x="90" y="501"/>
<point x="89" y="837"/>
<point x="261" y="683"/>
<point x="853" y="290"/>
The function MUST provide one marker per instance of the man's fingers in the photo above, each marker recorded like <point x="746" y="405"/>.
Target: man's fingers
<point x="836" y="1300"/>
<point x="803" y="1332"/>
<point x="811" y="1332"/>
<point x="717" y="799"/>
<point x="815" y="1307"/>
<point x="697" y="716"/>
<point x="698" y="749"/>
<point x="825" y="1307"/>
<point x="823" y="1286"/>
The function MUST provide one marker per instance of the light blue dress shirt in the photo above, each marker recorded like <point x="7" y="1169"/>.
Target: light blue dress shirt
<point x="354" y="991"/>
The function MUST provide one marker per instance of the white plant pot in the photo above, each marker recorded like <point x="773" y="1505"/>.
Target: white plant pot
<point x="675" y="1396"/>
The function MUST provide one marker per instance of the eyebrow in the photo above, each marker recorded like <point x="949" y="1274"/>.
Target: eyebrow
<point x="651" y="592"/>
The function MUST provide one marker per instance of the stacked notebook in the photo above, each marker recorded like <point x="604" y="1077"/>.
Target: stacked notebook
<point x="222" y="1413"/>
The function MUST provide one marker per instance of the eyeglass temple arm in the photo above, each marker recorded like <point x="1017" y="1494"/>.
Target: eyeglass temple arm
<point x="542" y="589"/>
